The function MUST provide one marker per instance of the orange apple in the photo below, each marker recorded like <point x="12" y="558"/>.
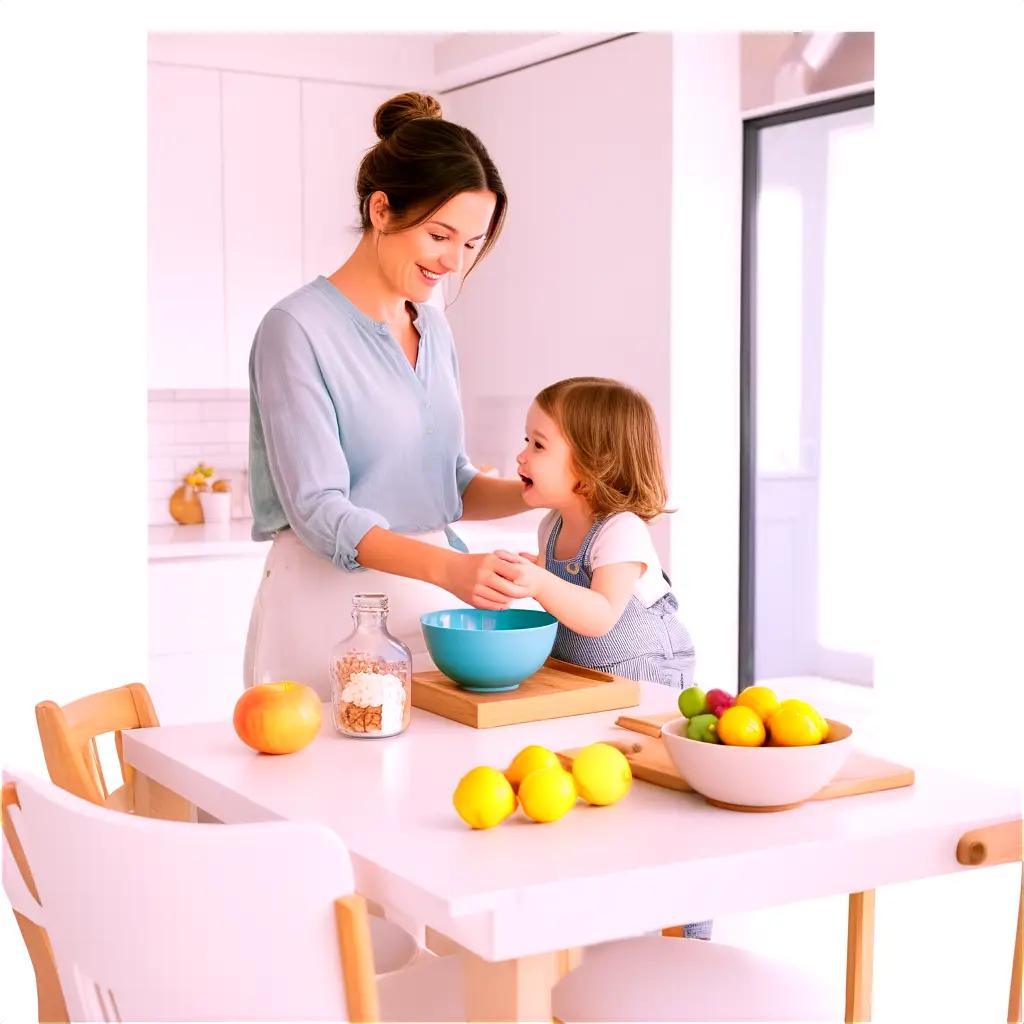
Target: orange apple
<point x="278" y="718"/>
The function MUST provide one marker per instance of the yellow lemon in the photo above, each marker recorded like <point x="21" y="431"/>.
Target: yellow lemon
<point x="484" y="798"/>
<point x="602" y="774"/>
<point x="547" y="794"/>
<point x="529" y="759"/>
<point x="760" y="699"/>
<point x="793" y="727"/>
<point x="741" y="727"/>
<point x="807" y="709"/>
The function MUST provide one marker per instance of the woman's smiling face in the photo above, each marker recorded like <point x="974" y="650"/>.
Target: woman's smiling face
<point x="415" y="260"/>
<point x="545" y="463"/>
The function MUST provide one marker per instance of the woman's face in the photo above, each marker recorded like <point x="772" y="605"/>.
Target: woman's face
<point x="545" y="463"/>
<point x="415" y="261"/>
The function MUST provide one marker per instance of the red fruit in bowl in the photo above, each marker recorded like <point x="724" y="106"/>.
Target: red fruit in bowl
<point x="719" y="701"/>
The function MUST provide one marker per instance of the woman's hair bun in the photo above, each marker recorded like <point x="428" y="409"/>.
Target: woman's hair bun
<point x="408" y="106"/>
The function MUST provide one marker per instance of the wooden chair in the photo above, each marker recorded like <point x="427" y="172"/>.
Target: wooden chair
<point x="21" y="891"/>
<point x="163" y="920"/>
<point x="68" y="738"/>
<point x="68" y="735"/>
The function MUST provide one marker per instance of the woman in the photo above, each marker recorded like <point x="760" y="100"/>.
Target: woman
<point x="356" y="457"/>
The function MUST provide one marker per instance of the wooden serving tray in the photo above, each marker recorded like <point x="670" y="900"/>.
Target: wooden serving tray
<point x="649" y="760"/>
<point x="557" y="690"/>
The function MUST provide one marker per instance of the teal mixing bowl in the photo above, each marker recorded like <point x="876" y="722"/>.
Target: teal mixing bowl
<point x="489" y="652"/>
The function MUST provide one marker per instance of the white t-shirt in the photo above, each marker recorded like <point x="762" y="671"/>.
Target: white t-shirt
<point x="622" y="538"/>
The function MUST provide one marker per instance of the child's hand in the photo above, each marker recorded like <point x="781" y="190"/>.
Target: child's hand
<point x="528" y="571"/>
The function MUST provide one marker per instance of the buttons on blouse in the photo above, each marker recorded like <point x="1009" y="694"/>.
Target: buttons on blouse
<point x="573" y="568"/>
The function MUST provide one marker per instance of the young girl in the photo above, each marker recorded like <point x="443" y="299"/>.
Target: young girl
<point x="593" y="457"/>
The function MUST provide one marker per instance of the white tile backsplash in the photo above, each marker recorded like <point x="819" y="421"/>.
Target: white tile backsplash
<point x="187" y="426"/>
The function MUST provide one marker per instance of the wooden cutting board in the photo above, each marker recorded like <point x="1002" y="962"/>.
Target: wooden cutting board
<point x="649" y="760"/>
<point x="558" y="690"/>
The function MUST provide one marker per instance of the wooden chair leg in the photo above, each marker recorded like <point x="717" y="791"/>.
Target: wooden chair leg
<point x="52" y="1008"/>
<point x="1013" y="1011"/>
<point x="860" y="943"/>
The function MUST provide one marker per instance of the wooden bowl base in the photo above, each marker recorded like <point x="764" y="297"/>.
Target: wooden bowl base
<point x="744" y="807"/>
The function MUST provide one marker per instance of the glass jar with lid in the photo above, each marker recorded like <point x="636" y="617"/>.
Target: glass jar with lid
<point x="371" y="674"/>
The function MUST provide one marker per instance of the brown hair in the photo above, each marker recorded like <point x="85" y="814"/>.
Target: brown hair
<point x="613" y="435"/>
<point x="421" y="162"/>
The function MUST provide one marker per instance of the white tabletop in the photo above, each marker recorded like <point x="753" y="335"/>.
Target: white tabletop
<point x="657" y="858"/>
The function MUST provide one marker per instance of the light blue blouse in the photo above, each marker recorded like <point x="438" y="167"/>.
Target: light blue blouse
<point x="343" y="434"/>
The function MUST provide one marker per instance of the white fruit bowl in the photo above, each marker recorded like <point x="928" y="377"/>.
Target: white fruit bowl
<point x="756" y="778"/>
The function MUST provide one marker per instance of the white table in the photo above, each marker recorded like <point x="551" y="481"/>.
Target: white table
<point x="518" y="895"/>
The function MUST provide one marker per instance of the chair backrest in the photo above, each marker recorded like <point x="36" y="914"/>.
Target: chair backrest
<point x="161" y="920"/>
<point x="68" y="735"/>
<point x="20" y="889"/>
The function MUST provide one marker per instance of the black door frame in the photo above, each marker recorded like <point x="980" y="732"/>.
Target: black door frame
<point x="752" y="128"/>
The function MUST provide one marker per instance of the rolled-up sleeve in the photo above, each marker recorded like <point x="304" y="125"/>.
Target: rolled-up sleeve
<point x="300" y="429"/>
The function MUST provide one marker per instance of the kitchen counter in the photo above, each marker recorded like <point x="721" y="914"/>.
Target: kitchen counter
<point x="234" y="539"/>
<point x="205" y="540"/>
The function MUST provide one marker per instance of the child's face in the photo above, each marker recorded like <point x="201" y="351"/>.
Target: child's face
<point x="545" y="463"/>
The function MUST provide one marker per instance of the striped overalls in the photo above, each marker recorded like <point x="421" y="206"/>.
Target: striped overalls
<point x="648" y="644"/>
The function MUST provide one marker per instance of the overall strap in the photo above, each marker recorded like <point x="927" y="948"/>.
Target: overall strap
<point x="556" y="528"/>
<point x="588" y="542"/>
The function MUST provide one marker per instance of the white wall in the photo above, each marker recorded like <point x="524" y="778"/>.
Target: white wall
<point x="706" y="213"/>
<point x="579" y="283"/>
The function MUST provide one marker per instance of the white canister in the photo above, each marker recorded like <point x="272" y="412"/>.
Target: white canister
<point x="216" y="506"/>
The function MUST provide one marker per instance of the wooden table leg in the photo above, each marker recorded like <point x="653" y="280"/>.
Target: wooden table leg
<point x="152" y="800"/>
<point x="860" y="948"/>
<point x="514" y="990"/>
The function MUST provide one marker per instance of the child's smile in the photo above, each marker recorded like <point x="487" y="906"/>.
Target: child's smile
<point x="545" y="463"/>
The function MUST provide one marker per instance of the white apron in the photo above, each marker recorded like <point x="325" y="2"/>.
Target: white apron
<point x="303" y="607"/>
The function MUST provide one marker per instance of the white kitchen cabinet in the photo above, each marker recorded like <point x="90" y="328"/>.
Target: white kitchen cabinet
<point x="198" y="620"/>
<point x="262" y="207"/>
<point x="186" y="254"/>
<point x="337" y="130"/>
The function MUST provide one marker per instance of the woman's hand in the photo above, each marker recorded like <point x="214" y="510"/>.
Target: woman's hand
<point x="484" y="581"/>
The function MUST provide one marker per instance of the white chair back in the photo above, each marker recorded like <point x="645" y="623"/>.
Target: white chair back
<point x="157" y="920"/>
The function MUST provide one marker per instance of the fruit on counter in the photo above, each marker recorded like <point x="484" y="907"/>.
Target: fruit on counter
<point x="529" y="759"/>
<point x="741" y="727"/>
<point x="484" y="797"/>
<point x="602" y="774"/>
<point x="793" y="727"/>
<point x="703" y="728"/>
<point x="693" y="701"/>
<point x="278" y="718"/>
<point x="807" y="709"/>
<point x="718" y="701"/>
<point x="547" y="794"/>
<point x="760" y="699"/>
